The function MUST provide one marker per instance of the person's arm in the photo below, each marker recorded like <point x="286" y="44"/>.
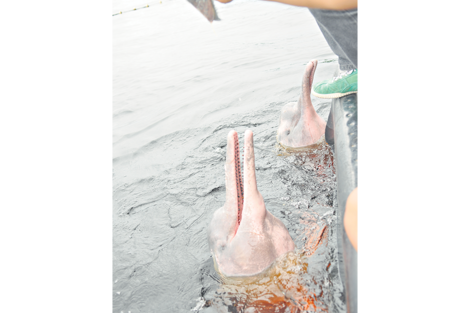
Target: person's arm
<point x="317" y="4"/>
<point x="351" y="218"/>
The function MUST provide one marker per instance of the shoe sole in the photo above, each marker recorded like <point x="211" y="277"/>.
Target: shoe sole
<point x="332" y="95"/>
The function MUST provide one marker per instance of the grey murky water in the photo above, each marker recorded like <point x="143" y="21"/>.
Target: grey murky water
<point x="179" y="85"/>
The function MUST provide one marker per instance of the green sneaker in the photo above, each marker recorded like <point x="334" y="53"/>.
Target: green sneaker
<point x="337" y="87"/>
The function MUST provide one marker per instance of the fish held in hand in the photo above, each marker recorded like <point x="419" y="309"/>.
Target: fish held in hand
<point x="206" y="7"/>
<point x="244" y="237"/>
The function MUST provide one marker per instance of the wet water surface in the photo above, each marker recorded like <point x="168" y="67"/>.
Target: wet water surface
<point x="180" y="85"/>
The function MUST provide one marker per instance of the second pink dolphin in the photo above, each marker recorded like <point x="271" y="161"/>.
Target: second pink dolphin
<point x="300" y="125"/>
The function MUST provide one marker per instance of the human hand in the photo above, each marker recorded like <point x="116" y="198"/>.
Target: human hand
<point x="351" y="218"/>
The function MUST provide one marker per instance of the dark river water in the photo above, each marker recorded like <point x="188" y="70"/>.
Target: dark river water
<point x="180" y="85"/>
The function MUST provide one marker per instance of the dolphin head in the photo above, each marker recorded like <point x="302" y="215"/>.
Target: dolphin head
<point x="244" y="237"/>
<point x="300" y="125"/>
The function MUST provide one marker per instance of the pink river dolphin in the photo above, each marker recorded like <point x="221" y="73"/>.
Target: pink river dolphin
<point x="300" y="125"/>
<point x="244" y="237"/>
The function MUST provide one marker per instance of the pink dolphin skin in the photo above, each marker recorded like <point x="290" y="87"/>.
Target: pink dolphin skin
<point x="300" y="126"/>
<point x="244" y="237"/>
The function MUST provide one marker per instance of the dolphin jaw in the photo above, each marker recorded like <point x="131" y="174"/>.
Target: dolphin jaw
<point x="308" y="81"/>
<point x="238" y="179"/>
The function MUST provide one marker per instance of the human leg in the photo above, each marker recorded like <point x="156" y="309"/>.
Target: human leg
<point x="340" y="31"/>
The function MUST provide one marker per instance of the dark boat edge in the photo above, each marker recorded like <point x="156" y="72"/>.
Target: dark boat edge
<point x="344" y="126"/>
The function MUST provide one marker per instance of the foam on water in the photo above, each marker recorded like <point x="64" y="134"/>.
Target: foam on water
<point x="180" y="85"/>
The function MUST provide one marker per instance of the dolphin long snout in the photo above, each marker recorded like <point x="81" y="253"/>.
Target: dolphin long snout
<point x="244" y="237"/>
<point x="300" y="126"/>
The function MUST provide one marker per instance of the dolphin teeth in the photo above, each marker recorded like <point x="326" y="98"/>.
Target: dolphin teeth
<point x="238" y="177"/>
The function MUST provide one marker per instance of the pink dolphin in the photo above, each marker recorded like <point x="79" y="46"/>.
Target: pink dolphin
<point x="244" y="237"/>
<point x="300" y="126"/>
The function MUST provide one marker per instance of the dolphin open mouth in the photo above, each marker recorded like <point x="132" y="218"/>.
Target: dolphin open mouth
<point x="244" y="237"/>
<point x="238" y="176"/>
